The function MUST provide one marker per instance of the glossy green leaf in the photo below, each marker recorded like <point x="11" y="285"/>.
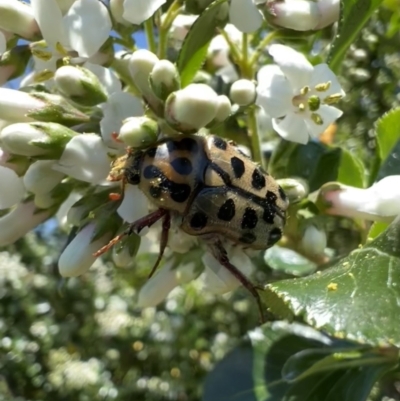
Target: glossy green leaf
<point x="195" y="45"/>
<point x="391" y="166"/>
<point x="351" y="170"/>
<point x="354" y="15"/>
<point x="358" y="298"/>
<point x="293" y="362"/>
<point x="388" y="132"/>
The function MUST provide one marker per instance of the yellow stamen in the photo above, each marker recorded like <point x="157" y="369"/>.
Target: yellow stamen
<point x="332" y="99"/>
<point x="323" y="87"/>
<point x="317" y="119"/>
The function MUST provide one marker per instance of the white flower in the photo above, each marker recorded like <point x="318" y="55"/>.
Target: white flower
<point x="180" y="26"/>
<point x="217" y="278"/>
<point x="15" y="224"/>
<point x="134" y="205"/>
<point x="62" y="213"/>
<point x="40" y="178"/>
<point x="245" y="15"/>
<point x="218" y="50"/>
<point x="77" y="257"/>
<point x="85" y="158"/>
<point x="138" y="11"/>
<point x="297" y="95"/>
<point x="119" y="106"/>
<point x="377" y="203"/>
<point x="303" y="15"/>
<point x="15" y="190"/>
<point x="74" y="30"/>
<point x="164" y="281"/>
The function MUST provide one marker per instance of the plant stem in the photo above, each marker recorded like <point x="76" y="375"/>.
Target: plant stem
<point x="234" y="50"/>
<point x="261" y="46"/>
<point x="149" y="30"/>
<point x="246" y="68"/>
<point x="165" y="26"/>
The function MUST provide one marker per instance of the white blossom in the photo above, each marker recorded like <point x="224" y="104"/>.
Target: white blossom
<point x="74" y="30"/>
<point x="77" y="257"/>
<point x="138" y="11"/>
<point x="15" y="190"/>
<point x="40" y="178"/>
<point x="85" y="158"/>
<point x="297" y="95"/>
<point x="134" y="205"/>
<point x="245" y="15"/>
<point x="380" y="202"/>
<point x="314" y="240"/>
<point x="18" y="222"/>
<point x="217" y="278"/>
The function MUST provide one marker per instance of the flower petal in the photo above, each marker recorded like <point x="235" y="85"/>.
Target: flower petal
<point x="79" y="23"/>
<point x="49" y="18"/>
<point x="120" y="105"/>
<point x="274" y="93"/>
<point x="134" y="205"/>
<point x="159" y="286"/>
<point x="15" y="188"/>
<point x="245" y="15"/>
<point x="328" y="115"/>
<point x="292" y="128"/>
<point x="294" y="65"/>
<point x="138" y="11"/>
<point x="323" y="74"/>
<point x="85" y="158"/>
<point x="106" y="76"/>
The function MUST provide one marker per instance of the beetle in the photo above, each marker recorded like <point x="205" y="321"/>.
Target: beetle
<point x="215" y="191"/>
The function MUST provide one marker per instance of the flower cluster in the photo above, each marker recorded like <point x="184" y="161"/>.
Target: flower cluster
<point x="85" y="101"/>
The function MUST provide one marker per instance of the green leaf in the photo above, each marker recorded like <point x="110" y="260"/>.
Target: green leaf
<point x="293" y="362"/>
<point x="391" y="166"/>
<point x="315" y="163"/>
<point x="358" y="298"/>
<point x="354" y="15"/>
<point x="388" y="132"/>
<point x="351" y="170"/>
<point x="195" y="45"/>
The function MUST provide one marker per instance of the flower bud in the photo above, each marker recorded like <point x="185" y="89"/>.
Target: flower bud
<point x="191" y="108"/>
<point x="243" y="92"/>
<point x="117" y="11"/>
<point x="138" y="132"/>
<point x="314" y="240"/>
<point x="36" y="139"/>
<point x="44" y="201"/>
<point x="15" y="105"/>
<point x="134" y="205"/>
<point x="40" y="177"/>
<point x="17" y="17"/>
<point x="80" y="85"/>
<point x="377" y="203"/>
<point x="164" y="79"/>
<point x="56" y="109"/>
<point x="13" y="189"/>
<point x="302" y="15"/>
<point x="19" y="164"/>
<point x="141" y="64"/>
<point x="77" y="257"/>
<point x="224" y="109"/>
<point x="295" y="189"/>
<point x="17" y="223"/>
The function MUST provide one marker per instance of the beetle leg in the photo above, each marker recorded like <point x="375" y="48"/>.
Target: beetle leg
<point x="138" y="225"/>
<point x="163" y="242"/>
<point x="221" y="255"/>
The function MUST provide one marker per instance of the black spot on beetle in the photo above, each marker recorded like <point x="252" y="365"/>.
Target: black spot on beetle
<point x="268" y="215"/>
<point x="282" y="194"/>
<point x="182" y="165"/>
<point x="274" y="236"/>
<point x="271" y="197"/>
<point x="132" y="177"/>
<point x="151" y="152"/>
<point x="151" y="172"/>
<point x="249" y="219"/>
<point x="178" y="192"/>
<point x="247" y="238"/>
<point x="227" y="211"/>
<point x="155" y="191"/>
<point x="237" y="166"/>
<point x="198" y="221"/>
<point x="257" y="179"/>
<point x="185" y="144"/>
<point x="219" y="143"/>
